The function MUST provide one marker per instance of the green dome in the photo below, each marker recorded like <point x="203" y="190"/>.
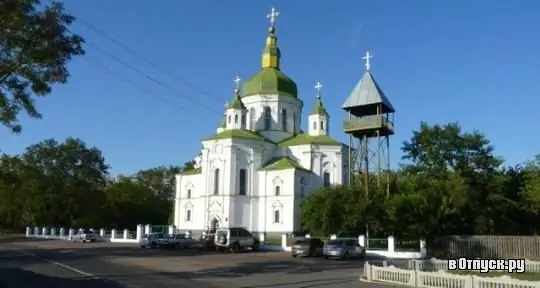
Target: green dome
<point x="269" y="81"/>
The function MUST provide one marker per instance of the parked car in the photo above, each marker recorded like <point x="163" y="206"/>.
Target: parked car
<point x="84" y="236"/>
<point x="308" y="247"/>
<point x="153" y="240"/>
<point x="206" y="242"/>
<point x="179" y="241"/>
<point x="343" y="249"/>
<point x="235" y="239"/>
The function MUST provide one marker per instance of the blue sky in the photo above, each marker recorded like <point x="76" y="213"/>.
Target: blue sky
<point x="475" y="62"/>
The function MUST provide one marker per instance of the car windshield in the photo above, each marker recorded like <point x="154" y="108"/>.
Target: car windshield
<point x="301" y="242"/>
<point x="335" y="242"/>
<point x="221" y="233"/>
<point x="179" y="236"/>
<point x="87" y="232"/>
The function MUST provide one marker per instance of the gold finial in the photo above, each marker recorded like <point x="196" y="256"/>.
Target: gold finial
<point x="367" y="57"/>
<point x="318" y="86"/>
<point x="237" y="81"/>
<point x="272" y="16"/>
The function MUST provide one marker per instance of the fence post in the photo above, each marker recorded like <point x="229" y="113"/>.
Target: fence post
<point x="172" y="229"/>
<point x="423" y="248"/>
<point x="140" y="232"/>
<point x="44" y="231"/>
<point x="367" y="271"/>
<point x="70" y="233"/>
<point x="53" y="231"/>
<point x="147" y="229"/>
<point x="362" y="240"/>
<point x="391" y="244"/>
<point x="126" y="231"/>
<point x="262" y="237"/>
<point x="28" y="232"/>
<point x="284" y="241"/>
<point x="101" y="232"/>
<point x="36" y="231"/>
<point x="62" y="232"/>
<point x="113" y="234"/>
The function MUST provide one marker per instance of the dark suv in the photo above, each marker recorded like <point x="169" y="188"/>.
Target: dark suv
<point x="235" y="239"/>
<point x="309" y="247"/>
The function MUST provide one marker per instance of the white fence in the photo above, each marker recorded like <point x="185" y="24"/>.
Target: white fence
<point x="435" y="264"/>
<point x="126" y="236"/>
<point x="415" y="278"/>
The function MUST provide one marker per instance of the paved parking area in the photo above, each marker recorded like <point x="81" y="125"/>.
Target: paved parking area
<point x="129" y="266"/>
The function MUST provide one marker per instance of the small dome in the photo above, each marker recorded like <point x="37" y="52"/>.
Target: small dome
<point x="269" y="81"/>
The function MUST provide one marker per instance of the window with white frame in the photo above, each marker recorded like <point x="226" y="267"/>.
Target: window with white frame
<point x="277" y="216"/>
<point x="188" y="194"/>
<point x="277" y="190"/>
<point x="188" y="215"/>
<point x="326" y="179"/>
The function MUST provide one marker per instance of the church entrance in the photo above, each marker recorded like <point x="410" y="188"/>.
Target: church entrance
<point x="214" y="224"/>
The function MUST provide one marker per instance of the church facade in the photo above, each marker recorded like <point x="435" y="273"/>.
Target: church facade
<point x="258" y="167"/>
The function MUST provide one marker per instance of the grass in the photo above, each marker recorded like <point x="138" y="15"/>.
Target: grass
<point x="273" y="240"/>
<point x="529" y="276"/>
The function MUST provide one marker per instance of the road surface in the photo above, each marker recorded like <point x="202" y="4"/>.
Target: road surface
<point x="56" y="263"/>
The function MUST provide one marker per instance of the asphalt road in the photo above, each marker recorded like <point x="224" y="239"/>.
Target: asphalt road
<point x="55" y="263"/>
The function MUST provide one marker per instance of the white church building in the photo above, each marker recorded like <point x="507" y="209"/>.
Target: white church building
<point x="258" y="167"/>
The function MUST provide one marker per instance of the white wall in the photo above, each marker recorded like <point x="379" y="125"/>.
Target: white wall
<point x="257" y="103"/>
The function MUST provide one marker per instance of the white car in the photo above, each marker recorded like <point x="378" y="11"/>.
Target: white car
<point x="84" y="236"/>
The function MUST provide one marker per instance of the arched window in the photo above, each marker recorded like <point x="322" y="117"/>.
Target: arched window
<point x="284" y="120"/>
<point x="188" y="194"/>
<point x="267" y="118"/>
<point x="216" y="181"/>
<point x="276" y="216"/>
<point x="326" y="179"/>
<point x="188" y="215"/>
<point x="235" y="118"/>
<point x="243" y="121"/>
<point x="278" y="190"/>
<point x="314" y="125"/>
<point x="321" y="125"/>
<point x="229" y="119"/>
<point x="294" y="122"/>
<point x="243" y="182"/>
<point x="252" y="119"/>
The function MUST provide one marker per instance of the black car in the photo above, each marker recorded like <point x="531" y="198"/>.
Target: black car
<point x="308" y="247"/>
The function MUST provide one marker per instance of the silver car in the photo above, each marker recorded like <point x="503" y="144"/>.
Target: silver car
<point x="343" y="249"/>
<point x="84" y="236"/>
<point x="153" y="240"/>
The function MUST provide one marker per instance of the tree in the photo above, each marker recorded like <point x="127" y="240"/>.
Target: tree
<point x="35" y="47"/>
<point x="161" y="180"/>
<point x="53" y="183"/>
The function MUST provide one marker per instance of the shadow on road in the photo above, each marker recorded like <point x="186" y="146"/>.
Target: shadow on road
<point x="19" y="278"/>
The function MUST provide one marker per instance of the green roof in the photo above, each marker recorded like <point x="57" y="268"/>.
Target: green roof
<point x="319" y="109"/>
<point x="236" y="103"/>
<point x="282" y="163"/>
<point x="192" y="171"/>
<point x="269" y="81"/>
<point x="238" y="134"/>
<point x="306" y="139"/>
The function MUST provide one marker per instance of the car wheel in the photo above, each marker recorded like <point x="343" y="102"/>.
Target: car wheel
<point x="153" y="245"/>
<point x="236" y="248"/>
<point x="293" y="255"/>
<point x="255" y="247"/>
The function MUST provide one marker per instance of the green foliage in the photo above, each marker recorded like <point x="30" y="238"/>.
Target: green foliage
<point x="451" y="184"/>
<point x="67" y="184"/>
<point x="35" y="47"/>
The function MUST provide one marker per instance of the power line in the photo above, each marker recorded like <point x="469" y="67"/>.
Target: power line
<point x="152" y="63"/>
<point x="150" y="78"/>
<point x="135" y="85"/>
